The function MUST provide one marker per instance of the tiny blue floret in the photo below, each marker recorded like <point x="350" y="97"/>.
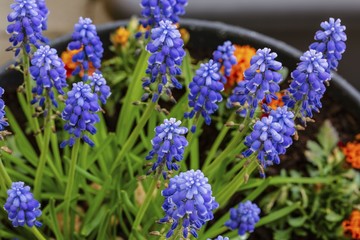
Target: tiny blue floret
<point x="244" y="217"/>
<point x="21" y="206"/>
<point x="48" y="70"/>
<point x="188" y="200"/>
<point x="220" y="238"/>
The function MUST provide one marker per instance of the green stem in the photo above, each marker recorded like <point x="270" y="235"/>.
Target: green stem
<point x="5" y="175"/>
<point x="134" y="135"/>
<point x="37" y="233"/>
<point x="27" y="79"/>
<point x="69" y="187"/>
<point x="219" y="139"/>
<point x="44" y="151"/>
<point x="144" y="207"/>
<point x="229" y="189"/>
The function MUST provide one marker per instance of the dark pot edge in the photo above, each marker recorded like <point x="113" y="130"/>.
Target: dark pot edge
<point x="346" y="90"/>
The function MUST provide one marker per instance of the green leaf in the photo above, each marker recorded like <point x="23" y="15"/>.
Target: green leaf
<point x="328" y="136"/>
<point x="297" y="222"/>
<point x="331" y="216"/>
<point x="282" y="234"/>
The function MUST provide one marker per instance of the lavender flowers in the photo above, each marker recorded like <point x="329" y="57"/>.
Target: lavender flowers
<point x="188" y="200"/>
<point x="167" y="52"/>
<point x="21" y="206"/>
<point x="224" y="56"/>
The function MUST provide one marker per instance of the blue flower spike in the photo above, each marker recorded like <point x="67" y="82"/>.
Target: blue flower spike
<point x="80" y="113"/>
<point x="189" y="201"/>
<point x="3" y="122"/>
<point x="271" y="137"/>
<point x="167" y="53"/>
<point x="21" y="206"/>
<point x="308" y="85"/>
<point x="98" y="82"/>
<point x="169" y="145"/>
<point x="244" y="217"/>
<point x="85" y="39"/>
<point x="224" y="56"/>
<point x="155" y="11"/>
<point x="330" y="41"/>
<point x="205" y="92"/>
<point x="261" y="81"/>
<point x="26" y="25"/>
<point x="44" y="12"/>
<point x="48" y="70"/>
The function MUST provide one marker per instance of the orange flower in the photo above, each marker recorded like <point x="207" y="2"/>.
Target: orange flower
<point x="243" y="56"/>
<point x="70" y="66"/>
<point x="120" y="37"/>
<point x="274" y="104"/>
<point x="352" y="226"/>
<point x="185" y="35"/>
<point x="352" y="153"/>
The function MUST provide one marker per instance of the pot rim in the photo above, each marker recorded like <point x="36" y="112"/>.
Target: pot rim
<point x="347" y="91"/>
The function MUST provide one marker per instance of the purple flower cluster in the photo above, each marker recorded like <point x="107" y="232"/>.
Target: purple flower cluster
<point x="98" y="82"/>
<point x="188" y="200"/>
<point x="3" y="122"/>
<point x="80" y="113"/>
<point x="224" y="56"/>
<point x="21" y="206"/>
<point x="167" y="52"/>
<point x="260" y="81"/>
<point x="85" y="38"/>
<point x="271" y="136"/>
<point x="48" y="70"/>
<point x="168" y="144"/>
<point x="155" y="11"/>
<point x="27" y="22"/>
<point x="205" y="91"/>
<point x="244" y="217"/>
<point x="331" y="41"/>
<point x="307" y="87"/>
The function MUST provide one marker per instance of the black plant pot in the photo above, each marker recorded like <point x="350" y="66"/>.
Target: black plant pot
<point x="205" y="37"/>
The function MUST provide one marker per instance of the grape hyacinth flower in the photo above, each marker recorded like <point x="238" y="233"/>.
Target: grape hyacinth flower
<point x="80" y="113"/>
<point x="26" y="25"/>
<point x="98" y="82"/>
<point x="271" y="136"/>
<point x="3" y="122"/>
<point x="189" y="201"/>
<point x="331" y="41"/>
<point x="21" y="206"/>
<point x="205" y="91"/>
<point x="224" y="56"/>
<point x="85" y="39"/>
<point x="307" y="87"/>
<point x="168" y="144"/>
<point x="167" y="53"/>
<point x="260" y="81"/>
<point x="155" y="11"/>
<point x="220" y="238"/>
<point x="48" y="70"/>
<point x="244" y="217"/>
